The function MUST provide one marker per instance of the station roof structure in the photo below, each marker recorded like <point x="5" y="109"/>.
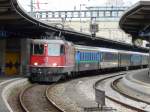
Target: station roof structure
<point x="136" y="20"/>
<point x="16" y="22"/>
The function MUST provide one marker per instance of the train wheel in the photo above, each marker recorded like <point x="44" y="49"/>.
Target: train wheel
<point x="74" y="74"/>
<point x="64" y="77"/>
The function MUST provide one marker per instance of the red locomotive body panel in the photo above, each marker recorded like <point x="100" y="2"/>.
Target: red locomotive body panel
<point x="48" y="61"/>
<point x="58" y="61"/>
<point x="35" y="59"/>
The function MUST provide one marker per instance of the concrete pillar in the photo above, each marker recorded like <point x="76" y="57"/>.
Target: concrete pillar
<point x="2" y="55"/>
<point x="25" y="56"/>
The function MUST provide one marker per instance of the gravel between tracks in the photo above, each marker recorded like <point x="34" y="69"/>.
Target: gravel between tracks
<point x="75" y="95"/>
<point x="35" y="99"/>
<point x="57" y="95"/>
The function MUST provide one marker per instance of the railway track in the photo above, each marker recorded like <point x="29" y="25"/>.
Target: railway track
<point x="114" y="87"/>
<point x="35" y="98"/>
<point x="126" y="94"/>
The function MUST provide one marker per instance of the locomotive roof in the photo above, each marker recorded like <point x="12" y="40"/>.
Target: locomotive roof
<point x="47" y="41"/>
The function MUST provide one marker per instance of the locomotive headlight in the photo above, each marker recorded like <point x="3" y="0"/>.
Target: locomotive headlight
<point x="54" y="64"/>
<point x="35" y="63"/>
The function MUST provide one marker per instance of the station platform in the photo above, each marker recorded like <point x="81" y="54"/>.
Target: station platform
<point x="136" y="85"/>
<point x="142" y="76"/>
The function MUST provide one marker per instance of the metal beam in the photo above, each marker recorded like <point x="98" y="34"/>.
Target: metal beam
<point x="104" y="12"/>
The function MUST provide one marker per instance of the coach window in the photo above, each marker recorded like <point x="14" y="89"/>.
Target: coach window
<point x="84" y="56"/>
<point x="88" y="56"/>
<point x="93" y="56"/>
<point x="81" y="56"/>
<point x="97" y="56"/>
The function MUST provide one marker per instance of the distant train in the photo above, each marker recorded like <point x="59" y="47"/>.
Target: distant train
<point x="51" y="60"/>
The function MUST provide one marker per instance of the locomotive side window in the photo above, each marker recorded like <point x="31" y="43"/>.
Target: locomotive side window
<point x="37" y="49"/>
<point x="62" y="50"/>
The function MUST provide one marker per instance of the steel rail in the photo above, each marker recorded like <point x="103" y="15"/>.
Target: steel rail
<point x="116" y="88"/>
<point x="113" y="99"/>
<point x="51" y="101"/>
<point x="25" y="109"/>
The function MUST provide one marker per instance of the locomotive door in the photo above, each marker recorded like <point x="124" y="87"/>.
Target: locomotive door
<point x="12" y="63"/>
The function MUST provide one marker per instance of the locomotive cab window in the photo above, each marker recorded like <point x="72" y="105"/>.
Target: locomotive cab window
<point x="37" y="49"/>
<point x="56" y="49"/>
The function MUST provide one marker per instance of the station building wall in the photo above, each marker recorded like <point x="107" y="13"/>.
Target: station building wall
<point x="2" y="55"/>
<point x="14" y="57"/>
<point x="107" y="29"/>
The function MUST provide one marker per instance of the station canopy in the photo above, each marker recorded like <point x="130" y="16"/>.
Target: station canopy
<point x="136" y="20"/>
<point x="16" y="22"/>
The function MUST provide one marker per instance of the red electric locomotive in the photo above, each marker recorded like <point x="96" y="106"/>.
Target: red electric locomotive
<point x="50" y="60"/>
